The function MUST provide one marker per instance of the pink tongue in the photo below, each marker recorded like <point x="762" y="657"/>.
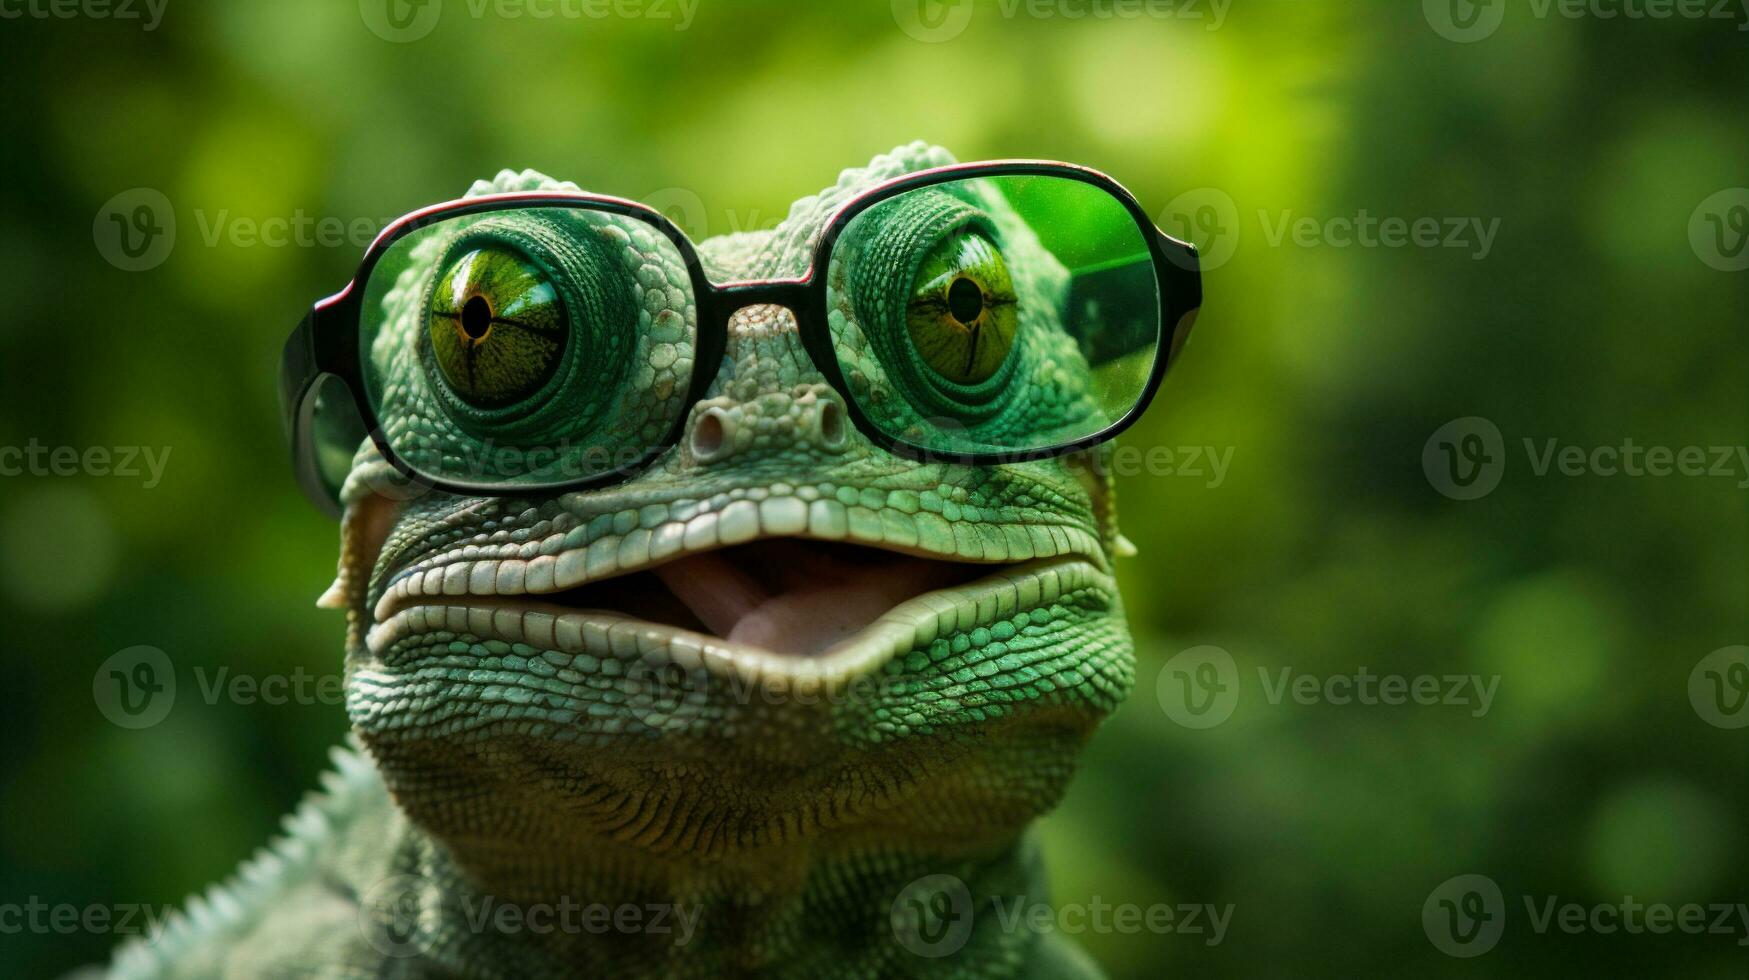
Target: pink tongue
<point x="799" y="601"/>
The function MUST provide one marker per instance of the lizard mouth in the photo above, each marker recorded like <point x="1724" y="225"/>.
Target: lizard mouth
<point x="785" y="609"/>
<point x="790" y="596"/>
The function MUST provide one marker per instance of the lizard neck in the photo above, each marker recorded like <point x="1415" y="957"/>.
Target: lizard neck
<point x="486" y="908"/>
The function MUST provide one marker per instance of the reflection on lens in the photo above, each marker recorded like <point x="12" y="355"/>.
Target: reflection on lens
<point x="528" y="347"/>
<point x="336" y="432"/>
<point x="995" y="314"/>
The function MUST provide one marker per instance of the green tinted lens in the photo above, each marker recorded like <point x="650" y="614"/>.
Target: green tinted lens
<point x="995" y="314"/>
<point x="530" y="347"/>
<point x="336" y="432"/>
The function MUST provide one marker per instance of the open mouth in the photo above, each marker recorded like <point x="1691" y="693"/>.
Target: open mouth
<point x="790" y="596"/>
<point x="785" y="609"/>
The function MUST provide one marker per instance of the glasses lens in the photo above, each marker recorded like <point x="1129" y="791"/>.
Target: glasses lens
<point x="529" y="347"/>
<point x="335" y="433"/>
<point x="995" y="314"/>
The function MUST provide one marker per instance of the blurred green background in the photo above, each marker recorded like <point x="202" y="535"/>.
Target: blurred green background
<point x="1324" y="370"/>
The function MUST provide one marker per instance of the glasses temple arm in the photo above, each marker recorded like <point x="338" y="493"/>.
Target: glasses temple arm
<point x="1181" y="290"/>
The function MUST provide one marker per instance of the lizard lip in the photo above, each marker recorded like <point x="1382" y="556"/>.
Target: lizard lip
<point x="911" y="623"/>
<point x="776" y="606"/>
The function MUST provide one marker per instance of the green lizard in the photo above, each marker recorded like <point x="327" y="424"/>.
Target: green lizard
<point x="593" y="732"/>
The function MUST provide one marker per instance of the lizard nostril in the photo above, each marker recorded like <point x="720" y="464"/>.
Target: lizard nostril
<point x="832" y="434"/>
<point x="710" y="434"/>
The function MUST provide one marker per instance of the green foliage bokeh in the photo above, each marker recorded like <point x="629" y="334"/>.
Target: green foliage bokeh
<point x="1323" y="369"/>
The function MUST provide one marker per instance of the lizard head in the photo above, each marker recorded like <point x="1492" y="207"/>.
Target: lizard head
<point x="774" y="630"/>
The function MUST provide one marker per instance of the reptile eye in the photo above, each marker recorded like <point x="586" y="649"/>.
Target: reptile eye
<point x="961" y="313"/>
<point x="497" y="327"/>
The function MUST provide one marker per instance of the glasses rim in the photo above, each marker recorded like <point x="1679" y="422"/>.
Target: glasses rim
<point x="325" y="343"/>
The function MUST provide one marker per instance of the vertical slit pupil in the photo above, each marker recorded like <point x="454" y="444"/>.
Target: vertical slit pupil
<point x="476" y="317"/>
<point x="965" y="300"/>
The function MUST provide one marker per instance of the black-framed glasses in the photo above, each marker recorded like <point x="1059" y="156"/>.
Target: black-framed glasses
<point x="976" y="313"/>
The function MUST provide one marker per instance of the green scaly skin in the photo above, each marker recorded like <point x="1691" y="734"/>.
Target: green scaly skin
<point x="553" y="759"/>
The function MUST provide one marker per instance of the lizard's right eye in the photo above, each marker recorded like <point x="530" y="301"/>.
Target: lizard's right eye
<point x="497" y="327"/>
<point x="528" y="346"/>
<point x="960" y="316"/>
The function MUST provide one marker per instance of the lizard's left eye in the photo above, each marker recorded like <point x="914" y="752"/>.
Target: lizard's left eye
<point x="497" y="327"/>
<point x="961" y="311"/>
